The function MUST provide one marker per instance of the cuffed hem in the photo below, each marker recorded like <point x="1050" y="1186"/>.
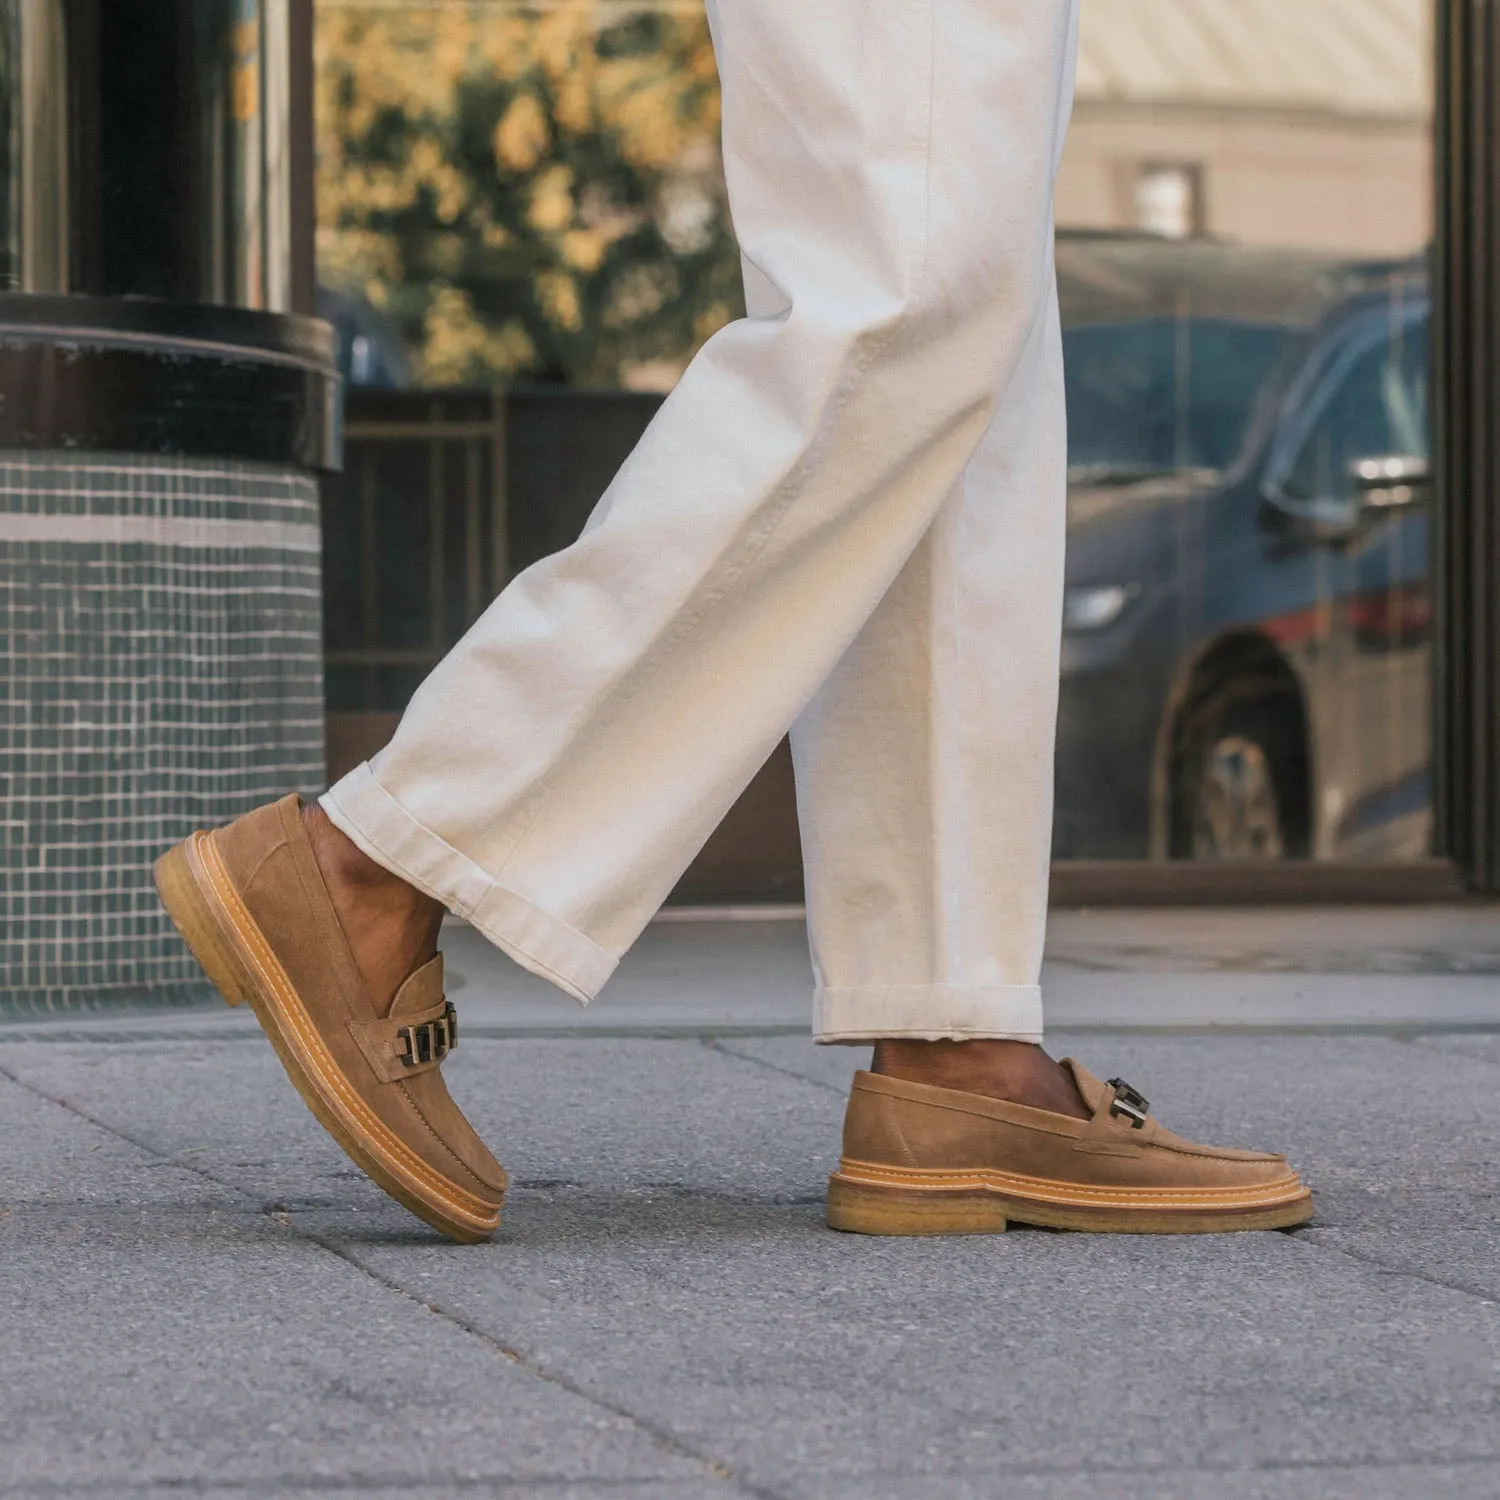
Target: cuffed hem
<point x="928" y="1013"/>
<point x="537" y="940"/>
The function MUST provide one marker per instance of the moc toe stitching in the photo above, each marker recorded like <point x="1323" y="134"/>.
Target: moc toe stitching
<point x="469" y="1171"/>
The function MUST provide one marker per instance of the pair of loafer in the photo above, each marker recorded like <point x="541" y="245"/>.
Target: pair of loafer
<point x="250" y="902"/>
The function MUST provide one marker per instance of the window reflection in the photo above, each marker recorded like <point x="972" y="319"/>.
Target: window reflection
<point x="526" y="191"/>
<point x="514" y="192"/>
<point x="1244" y="215"/>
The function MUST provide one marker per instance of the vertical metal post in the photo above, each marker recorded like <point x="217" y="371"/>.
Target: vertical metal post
<point x="1466" y="362"/>
<point x="37" y="154"/>
<point x="247" y="130"/>
<point x="369" y="575"/>
<point x="437" y="519"/>
<point x="474" y="600"/>
<point x="276" y="152"/>
<point x="499" y="498"/>
<point x="301" y="184"/>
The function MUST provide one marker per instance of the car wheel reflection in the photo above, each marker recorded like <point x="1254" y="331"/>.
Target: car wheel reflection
<point x="1235" y="811"/>
<point x="1239" y="792"/>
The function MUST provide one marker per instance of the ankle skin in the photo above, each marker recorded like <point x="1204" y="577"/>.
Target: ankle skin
<point x="392" y="928"/>
<point x="1020" y="1072"/>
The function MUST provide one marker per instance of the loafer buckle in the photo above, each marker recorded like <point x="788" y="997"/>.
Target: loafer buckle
<point x="1129" y="1103"/>
<point x="429" y="1041"/>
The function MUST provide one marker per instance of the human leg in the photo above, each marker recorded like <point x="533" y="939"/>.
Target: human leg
<point x="924" y="763"/>
<point x="558" y="771"/>
<point x="924" y="774"/>
<point x="924" y="769"/>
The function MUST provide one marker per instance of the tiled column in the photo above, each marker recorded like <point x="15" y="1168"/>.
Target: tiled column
<point x="161" y="670"/>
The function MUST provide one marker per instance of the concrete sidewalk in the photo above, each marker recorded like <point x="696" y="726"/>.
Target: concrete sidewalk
<point x="205" y="1299"/>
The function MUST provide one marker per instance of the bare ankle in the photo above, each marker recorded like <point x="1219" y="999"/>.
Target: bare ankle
<point x="392" y="927"/>
<point x="1017" y="1071"/>
<point x="903" y="1055"/>
<point x="340" y="858"/>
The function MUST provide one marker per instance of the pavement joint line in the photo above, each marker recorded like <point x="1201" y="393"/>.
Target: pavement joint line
<point x="663" y="1435"/>
<point x="1463" y="1288"/>
<point x="285" y="1219"/>
<point x="196" y="1168"/>
<point x="713" y="1045"/>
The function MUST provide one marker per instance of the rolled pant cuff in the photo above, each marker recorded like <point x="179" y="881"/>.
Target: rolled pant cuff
<point x="536" y="939"/>
<point x="929" y="1013"/>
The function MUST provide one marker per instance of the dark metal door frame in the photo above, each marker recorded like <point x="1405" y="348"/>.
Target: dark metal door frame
<point x="1466" y="346"/>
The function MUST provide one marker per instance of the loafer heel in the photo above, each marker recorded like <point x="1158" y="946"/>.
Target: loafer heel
<point x="183" y="898"/>
<point x="862" y="1208"/>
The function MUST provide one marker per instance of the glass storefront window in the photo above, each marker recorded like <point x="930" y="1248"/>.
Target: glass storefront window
<point x="1244" y="221"/>
<point x="527" y="192"/>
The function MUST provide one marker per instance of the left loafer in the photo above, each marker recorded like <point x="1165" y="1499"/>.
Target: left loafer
<point x="250" y="901"/>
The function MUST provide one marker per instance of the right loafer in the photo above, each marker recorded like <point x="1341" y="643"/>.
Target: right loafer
<point x="250" y="902"/>
<point x="924" y="1160"/>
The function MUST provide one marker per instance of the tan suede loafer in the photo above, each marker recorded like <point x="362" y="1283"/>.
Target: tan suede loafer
<point x="250" y="902"/>
<point x="925" y="1160"/>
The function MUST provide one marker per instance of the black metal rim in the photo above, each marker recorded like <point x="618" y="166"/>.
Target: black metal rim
<point x="168" y="327"/>
<point x="94" y="374"/>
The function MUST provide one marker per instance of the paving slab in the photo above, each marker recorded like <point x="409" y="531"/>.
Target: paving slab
<point x="152" y="1346"/>
<point x="1457" y="1481"/>
<point x="52" y="1155"/>
<point x="208" y="1300"/>
<point x="794" y="1356"/>
<point x="664" y="1263"/>
<point x="617" y="1110"/>
<point x="376" y="1485"/>
<point x="1484" y="1046"/>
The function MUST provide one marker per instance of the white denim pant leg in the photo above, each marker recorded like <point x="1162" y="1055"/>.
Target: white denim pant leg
<point x="890" y="172"/>
<point x="924" y="764"/>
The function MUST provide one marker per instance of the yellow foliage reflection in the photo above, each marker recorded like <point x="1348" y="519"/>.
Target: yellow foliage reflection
<point x="528" y="190"/>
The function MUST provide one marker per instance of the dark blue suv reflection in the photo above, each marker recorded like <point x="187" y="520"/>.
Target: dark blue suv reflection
<point x="1246" y="659"/>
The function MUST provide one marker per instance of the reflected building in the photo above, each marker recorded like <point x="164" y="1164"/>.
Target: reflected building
<point x="1268" y="122"/>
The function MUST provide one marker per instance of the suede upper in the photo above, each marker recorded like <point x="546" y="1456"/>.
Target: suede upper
<point x="896" y="1123"/>
<point x="271" y="862"/>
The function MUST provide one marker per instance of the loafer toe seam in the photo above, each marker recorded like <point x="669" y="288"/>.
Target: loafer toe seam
<point x="427" y="1125"/>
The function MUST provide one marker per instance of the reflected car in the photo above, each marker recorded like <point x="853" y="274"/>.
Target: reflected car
<point x="1247" y="615"/>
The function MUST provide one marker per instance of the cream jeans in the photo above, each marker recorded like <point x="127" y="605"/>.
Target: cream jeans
<point x="846" y="519"/>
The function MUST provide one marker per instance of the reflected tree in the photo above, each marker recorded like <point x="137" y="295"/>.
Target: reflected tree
<point x="528" y="193"/>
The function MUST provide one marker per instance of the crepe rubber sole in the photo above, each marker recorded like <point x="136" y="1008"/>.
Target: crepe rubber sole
<point x="216" y="925"/>
<point x="868" y="1198"/>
